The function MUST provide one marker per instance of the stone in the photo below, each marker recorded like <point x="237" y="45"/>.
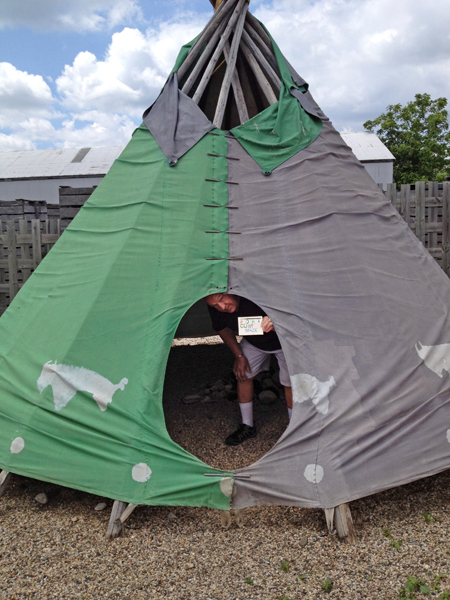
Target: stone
<point x="41" y="498"/>
<point x="267" y="397"/>
<point x="171" y="516"/>
<point x="267" y="383"/>
<point x="101" y="506"/>
<point x="192" y="398"/>
<point x="228" y="387"/>
<point x="219" y="384"/>
<point x="189" y="565"/>
<point x="303" y="540"/>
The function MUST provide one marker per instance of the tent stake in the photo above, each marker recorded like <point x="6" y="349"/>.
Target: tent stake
<point x="115" y="525"/>
<point x="261" y="78"/>
<point x="5" y="476"/>
<point x="237" y="90"/>
<point x="231" y="64"/>
<point x="215" y="57"/>
<point x="344" y="524"/>
<point x="223" y="10"/>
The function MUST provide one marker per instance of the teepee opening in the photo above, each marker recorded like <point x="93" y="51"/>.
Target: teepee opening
<point x="200" y="398"/>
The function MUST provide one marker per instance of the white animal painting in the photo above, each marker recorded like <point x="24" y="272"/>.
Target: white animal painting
<point x="67" y="380"/>
<point x="436" y="358"/>
<point x="307" y="387"/>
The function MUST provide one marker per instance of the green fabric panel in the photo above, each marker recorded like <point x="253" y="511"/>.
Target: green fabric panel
<point x="108" y="299"/>
<point x="283" y="129"/>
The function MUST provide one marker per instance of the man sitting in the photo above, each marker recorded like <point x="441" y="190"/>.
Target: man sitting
<point x="251" y="357"/>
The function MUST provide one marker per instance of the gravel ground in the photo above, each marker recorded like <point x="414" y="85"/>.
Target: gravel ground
<point x="58" y="550"/>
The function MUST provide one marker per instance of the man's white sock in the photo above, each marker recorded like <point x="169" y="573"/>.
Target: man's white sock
<point x="290" y="413"/>
<point x="247" y="413"/>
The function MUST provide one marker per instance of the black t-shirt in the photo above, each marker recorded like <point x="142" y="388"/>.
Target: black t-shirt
<point x="220" y="320"/>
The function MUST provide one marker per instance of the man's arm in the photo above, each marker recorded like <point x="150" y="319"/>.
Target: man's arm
<point x="240" y="362"/>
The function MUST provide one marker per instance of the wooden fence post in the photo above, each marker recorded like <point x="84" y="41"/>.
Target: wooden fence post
<point x="420" y="211"/>
<point x="446" y="227"/>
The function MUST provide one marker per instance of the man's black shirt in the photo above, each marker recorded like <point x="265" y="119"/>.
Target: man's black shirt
<point x="220" y="320"/>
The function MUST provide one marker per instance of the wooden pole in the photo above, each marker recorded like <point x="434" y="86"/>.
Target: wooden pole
<point x="5" y="476"/>
<point x="261" y="78"/>
<point x="237" y="90"/>
<point x="259" y="29"/>
<point x="344" y="524"/>
<point x="215" y="57"/>
<point x="205" y="36"/>
<point x="268" y="52"/>
<point x="273" y="77"/>
<point x="231" y="65"/>
<point x="115" y="525"/>
<point x="204" y="57"/>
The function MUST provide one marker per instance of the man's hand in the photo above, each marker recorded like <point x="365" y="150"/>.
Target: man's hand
<point x="266" y="325"/>
<point x="240" y="366"/>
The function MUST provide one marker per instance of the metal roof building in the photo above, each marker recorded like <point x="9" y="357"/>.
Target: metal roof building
<point x="38" y="174"/>
<point x="370" y="150"/>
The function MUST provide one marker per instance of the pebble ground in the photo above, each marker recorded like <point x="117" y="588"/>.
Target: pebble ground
<point x="59" y="551"/>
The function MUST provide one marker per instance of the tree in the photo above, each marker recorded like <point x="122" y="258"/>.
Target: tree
<point x="418" y="136"/>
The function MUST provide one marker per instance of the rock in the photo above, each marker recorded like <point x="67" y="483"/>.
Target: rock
<point x="267" y="397"/>
<point x="303" y="540"/>
<point x="101" y="506"/>
<point x="228" y="387"/>
<point x="213" y="388"/>
<point x="41" y="498"/>
<point x="267" y="383"/>
<point x="189" y="565"/>
<point x="190" y="399"/>
<point x="171" y="516"/>
<point x="219" y="384"/>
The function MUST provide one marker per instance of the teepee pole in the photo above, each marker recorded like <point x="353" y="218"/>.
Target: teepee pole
<point x="344" y="524"/>
<point x="5" y="476"/>
<point x="204" y="57"/>
<point x="215" y="57"/>
<point x="231" y="64"/>
<point x="268" y="52"/>
<point x="272" y="76"/>
<point x="261" y="78"/>
<point x="253" y="21"/>
<point x="205" y="36"/>
<point x="237" y="90"/>
<point x="115" y="524"/>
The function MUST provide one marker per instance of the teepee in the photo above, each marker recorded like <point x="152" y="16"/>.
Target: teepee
<point x="235" y="181"/>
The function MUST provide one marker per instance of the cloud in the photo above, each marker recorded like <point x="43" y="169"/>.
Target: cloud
<point x="359" y="56"/>
<point x="22" y="94"/>
<point x="69" y="15"/>
<point x="131" y="75"/>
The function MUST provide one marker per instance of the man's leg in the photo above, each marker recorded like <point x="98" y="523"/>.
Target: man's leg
<point x="245" y="397"/>
<point x="288" y="396"/>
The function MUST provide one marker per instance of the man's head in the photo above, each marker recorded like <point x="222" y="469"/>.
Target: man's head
<point x="223" y="302"/>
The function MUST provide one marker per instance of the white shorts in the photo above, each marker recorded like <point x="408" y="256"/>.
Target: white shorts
<point x="259" y="360"/>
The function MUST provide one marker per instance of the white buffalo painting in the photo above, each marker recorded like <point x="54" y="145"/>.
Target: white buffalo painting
<point x="436" y="358"/>
<point x="67" y="380"/>
<point x="307" y="387"/>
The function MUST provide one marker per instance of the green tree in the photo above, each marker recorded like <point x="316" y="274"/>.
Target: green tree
<point x="418" y="136"/>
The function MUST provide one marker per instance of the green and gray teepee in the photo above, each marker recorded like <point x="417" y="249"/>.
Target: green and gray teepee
<point x="235" y="181"/>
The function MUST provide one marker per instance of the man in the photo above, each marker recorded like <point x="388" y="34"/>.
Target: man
<point x="250" y="357"/>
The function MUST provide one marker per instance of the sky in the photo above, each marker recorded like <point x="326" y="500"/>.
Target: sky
<point x="79" y="73"/>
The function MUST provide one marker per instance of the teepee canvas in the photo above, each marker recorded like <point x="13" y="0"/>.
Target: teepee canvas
<point x="236" y="181"/>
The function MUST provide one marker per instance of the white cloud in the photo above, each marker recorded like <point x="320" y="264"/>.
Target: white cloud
<point x="131" y="75"/>
<point x="69" y="15"/>
<point x="359" y="56"/>
<point x="21" y="92"/>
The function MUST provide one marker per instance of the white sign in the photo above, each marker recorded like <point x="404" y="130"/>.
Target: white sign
<point x="250" y="326"/>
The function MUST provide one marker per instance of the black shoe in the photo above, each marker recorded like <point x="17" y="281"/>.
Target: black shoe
<point x="244" y="432"/>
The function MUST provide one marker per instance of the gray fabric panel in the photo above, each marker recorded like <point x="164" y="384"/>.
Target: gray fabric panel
<point x="175" y="121"/>
<point x="351" y="292"/>
<point x="307" y="103"/>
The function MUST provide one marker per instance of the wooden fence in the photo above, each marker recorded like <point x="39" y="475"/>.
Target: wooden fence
<point x="426" y="209"/>
<point x="29" y="229"/>
<point x="23" y="244"/>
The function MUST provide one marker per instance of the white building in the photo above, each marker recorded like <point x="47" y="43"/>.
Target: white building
<point x="373" y="154"/>
<point x="37" y="174"/>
